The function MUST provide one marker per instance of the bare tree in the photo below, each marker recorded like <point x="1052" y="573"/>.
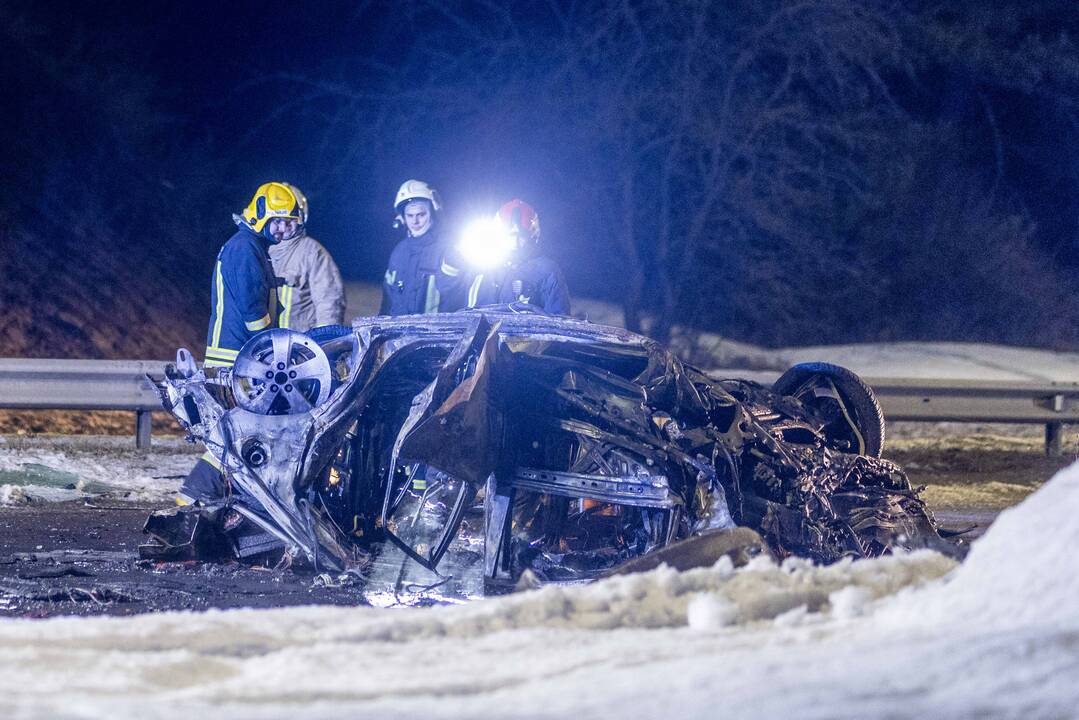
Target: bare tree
<point x="744" y="157"/>
<point x="704" y="127"/>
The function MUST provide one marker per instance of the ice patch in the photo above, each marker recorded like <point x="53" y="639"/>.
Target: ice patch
<point x="54" y="471"/>
<point x="13" y="495"/>
<point x="38" y="474"/>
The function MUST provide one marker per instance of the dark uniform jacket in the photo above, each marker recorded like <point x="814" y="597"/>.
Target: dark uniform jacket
<point x="419" y="279"/>
<point x="536" y="280"/>
<point x="243" y="296"/>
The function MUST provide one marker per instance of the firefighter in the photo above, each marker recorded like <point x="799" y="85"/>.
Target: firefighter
<point x="529" y="276"/>
<point x="243" y="293"/>
<point x="420" y="279"/>
<point x="243" y="301"/>
<point x="312" y="293"/>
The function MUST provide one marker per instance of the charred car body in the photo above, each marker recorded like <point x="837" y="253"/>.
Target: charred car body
<point x="470" y="450"/>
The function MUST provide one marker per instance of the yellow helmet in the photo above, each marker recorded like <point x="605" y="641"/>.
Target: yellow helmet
<point x="272" y="200"/>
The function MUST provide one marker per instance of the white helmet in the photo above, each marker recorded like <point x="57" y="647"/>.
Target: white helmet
<point x="417" y="190"/>
<point x="302" y="199"/>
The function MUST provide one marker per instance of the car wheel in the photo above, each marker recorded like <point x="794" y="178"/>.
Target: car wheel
<point x="281" y="372"/>
<point x="853" y="418"/>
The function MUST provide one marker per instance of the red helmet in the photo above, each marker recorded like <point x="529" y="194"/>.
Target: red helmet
<point x="520" y="219"/>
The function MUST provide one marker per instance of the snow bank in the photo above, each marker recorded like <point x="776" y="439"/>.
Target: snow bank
<point x="437" y="662"/>
<point x="1022" y="572"/>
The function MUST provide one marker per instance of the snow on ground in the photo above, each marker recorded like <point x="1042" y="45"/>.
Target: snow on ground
<point x="968" y="361"/>
<point x="66" y="468"/>
<point x="907" y="636"/>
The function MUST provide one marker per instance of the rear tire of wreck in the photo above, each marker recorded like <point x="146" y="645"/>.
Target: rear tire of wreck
<point x="858" y="398"/>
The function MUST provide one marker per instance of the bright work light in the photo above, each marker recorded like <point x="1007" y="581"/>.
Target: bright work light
<point x="486" y="244"/>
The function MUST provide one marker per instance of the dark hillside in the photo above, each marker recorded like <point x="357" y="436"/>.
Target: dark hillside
<point x="105" y="246"/>
<point x="83" y="297"/>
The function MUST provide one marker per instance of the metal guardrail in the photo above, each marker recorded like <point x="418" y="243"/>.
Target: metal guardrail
<point x="981" y="400"/>
<point x="122" y="385"/>
<point x="1049" y="403"/>
<point x="37" y="384"/>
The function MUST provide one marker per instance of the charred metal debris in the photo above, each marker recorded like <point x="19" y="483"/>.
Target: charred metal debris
<point x="482" y="450"/>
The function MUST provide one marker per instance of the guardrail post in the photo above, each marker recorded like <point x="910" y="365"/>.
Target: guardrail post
<point x="1054" y="439"/>
<point x="143" y="425"/>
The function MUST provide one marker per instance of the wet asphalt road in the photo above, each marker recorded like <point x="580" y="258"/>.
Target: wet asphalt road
<point x="81" y="558"/>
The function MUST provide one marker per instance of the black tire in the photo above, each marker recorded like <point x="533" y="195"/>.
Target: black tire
<point x="325" y="333"/>
<point x="859" y="402"/>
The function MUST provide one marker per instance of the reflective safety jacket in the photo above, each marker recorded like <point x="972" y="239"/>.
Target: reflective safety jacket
<point x="419" y="280"/>
<point x="313" y="293"/>
<point x="534" y="280"/>
<point x="243" y="298"/>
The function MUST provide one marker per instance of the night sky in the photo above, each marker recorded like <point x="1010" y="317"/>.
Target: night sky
<point x="226" y="71"/>
<point x="218" y="68"/>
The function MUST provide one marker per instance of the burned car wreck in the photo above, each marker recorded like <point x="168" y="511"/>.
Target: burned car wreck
<point x="474" y="451"/>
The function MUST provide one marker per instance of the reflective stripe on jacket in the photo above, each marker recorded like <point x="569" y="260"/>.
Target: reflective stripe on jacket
<point x="243" y="300"/>
<point x="419" y="280"/>
<point x="313" y="293"/>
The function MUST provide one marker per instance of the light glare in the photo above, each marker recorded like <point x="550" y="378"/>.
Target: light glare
<point x="485" y="243"/>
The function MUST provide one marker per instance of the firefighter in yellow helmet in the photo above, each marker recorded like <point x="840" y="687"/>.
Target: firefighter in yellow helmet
<point x="243" y="301"/>
<point x="243" y="289"/>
